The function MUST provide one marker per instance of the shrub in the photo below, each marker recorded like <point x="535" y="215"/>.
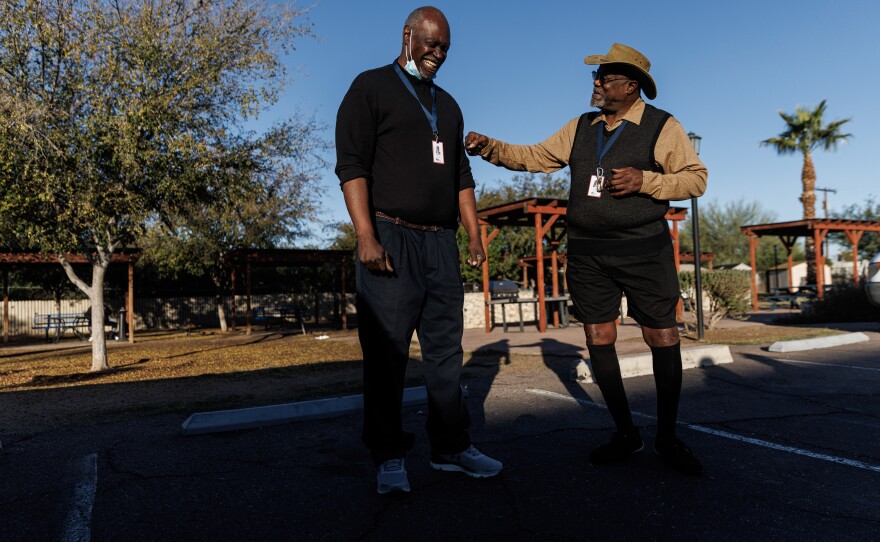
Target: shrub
<point x="841" y="304"/>
<point x="726" y="291"/>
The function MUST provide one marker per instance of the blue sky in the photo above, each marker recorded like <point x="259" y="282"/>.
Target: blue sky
<point x="724" y="69"/>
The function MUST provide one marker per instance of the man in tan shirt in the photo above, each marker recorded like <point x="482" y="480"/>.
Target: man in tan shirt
<point x="627" y="161"/>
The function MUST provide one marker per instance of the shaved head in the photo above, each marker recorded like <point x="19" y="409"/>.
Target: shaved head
<point x="420" y="13"/>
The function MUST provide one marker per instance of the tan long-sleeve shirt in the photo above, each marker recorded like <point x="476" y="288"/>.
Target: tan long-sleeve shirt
<point x="684" y="175"/>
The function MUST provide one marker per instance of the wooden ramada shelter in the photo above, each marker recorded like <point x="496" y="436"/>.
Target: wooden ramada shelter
<point x="817" y="229"/>
<point x="284" y="257"/>
<point x="547" y="217"/>
<point x="12" y="258"/>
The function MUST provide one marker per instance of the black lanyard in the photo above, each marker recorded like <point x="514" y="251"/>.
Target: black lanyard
<point x="432" y="116"/>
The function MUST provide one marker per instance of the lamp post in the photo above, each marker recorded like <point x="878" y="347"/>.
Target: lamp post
<point x="698" y="255"/>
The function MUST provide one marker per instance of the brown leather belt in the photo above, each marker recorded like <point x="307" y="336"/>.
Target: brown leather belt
<point x="405" y="224"/>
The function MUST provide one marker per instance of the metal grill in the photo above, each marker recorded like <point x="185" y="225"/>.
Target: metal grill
<point x="503" y="289"/>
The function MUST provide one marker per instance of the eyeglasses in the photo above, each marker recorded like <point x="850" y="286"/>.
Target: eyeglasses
<point x="604" y="78"/>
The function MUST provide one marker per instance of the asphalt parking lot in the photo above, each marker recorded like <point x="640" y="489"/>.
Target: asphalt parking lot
<point x="790" y="442"/>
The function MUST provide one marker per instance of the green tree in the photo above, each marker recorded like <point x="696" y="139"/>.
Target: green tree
<point x="50" y="282"/>
<point x="345" y="236"/>
<point x="720" y="233"/>
<point x="511" y="243"/>
<point x="273" y="205"/>
<point x="806" y="131"/>
<point x="869" y="244"/>
<point x="116" y="113"/>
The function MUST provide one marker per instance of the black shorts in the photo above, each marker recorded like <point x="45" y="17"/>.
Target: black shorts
<point x="649" y="281"/>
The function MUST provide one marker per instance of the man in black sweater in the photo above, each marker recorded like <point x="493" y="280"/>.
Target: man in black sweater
<point x="406" y="179"/>
<point x="627" y="161"/>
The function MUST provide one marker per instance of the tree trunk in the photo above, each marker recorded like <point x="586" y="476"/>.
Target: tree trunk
<point x="95" y="293"/>
<point x="99" y="340"/>
<point x="221" y="311"/>
<point x="218" y="301"/>
<point x="808" y="199"/>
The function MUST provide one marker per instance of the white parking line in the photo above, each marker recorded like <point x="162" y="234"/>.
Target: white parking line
<point x="827" y="364"/>
<point x="77" y="524"/>
<point x="725" y="434"/>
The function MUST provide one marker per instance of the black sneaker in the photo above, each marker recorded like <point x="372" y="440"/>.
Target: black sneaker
<point x="679" y="457"/>
<point x="621" y="446"/>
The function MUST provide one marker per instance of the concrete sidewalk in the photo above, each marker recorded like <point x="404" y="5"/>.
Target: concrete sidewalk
<point x="570" y="341"/>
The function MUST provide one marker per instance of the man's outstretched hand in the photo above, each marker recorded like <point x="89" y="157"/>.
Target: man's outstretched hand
<point x="474" y="143"/>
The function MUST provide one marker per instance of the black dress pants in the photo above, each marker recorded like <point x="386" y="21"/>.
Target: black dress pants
<point x="424" y="294"/>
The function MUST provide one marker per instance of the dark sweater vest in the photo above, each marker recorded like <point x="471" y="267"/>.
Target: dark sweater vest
<point x="609" y="225"/>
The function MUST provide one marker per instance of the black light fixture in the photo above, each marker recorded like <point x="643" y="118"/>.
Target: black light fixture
<point x="698" y="255"/>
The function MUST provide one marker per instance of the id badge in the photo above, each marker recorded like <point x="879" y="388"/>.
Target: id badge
<point x="596" y="184"/>
<point x="437" y="151"/>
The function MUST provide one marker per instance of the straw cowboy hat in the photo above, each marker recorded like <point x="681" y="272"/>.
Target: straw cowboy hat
<point x="622" y="54"/>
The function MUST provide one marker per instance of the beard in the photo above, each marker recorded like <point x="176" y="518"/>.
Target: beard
<point x="597" y="102"/>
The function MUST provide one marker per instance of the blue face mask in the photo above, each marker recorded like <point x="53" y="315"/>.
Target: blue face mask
<point x="410" y="65"/>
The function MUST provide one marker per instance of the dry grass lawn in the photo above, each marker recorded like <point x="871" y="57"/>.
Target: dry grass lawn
<point x="43" y="386"/>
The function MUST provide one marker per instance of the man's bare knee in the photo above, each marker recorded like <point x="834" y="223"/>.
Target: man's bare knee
<point x="660" y="337"/>
<point x="601" y="333"/>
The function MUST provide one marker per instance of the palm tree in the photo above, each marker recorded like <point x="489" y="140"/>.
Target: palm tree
<point x="806" y="132"/>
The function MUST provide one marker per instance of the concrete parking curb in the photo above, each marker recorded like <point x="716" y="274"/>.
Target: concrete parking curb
<point x="642" y="364"/>
<point x="818" y="342"/>
<point x="249" y="418"/>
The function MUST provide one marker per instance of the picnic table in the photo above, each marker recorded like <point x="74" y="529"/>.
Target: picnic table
<point x="791" y="295"/>
<point x="282" y="316"/>
<point x="59" y="323"/>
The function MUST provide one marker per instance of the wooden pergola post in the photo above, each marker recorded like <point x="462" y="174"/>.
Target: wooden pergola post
<point x="317" y="300"/>
<point x="487" y="323"/>
<point x="232" y="286"/>
<point x="854" y="238"/>
<point x="541" y="230"/>
<point x="788" y="242"/>
<point x="818" y="237"/>
<point x="247" y="279"/>
<point x="344" y="307"/>
<point x="753" y="245"/>
<point x="130" y="299"/>
<point x="5" y="306"/>
<point x="486" y="238"/>
<point x="539" y="254"/>
<point x="554" y="264"/>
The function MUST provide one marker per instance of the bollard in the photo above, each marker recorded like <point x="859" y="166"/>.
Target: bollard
<point x="121" y="329"/>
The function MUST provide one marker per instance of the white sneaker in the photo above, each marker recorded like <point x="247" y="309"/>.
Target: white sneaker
<point x="471" y="462"/>
<point x="392" y="477"/>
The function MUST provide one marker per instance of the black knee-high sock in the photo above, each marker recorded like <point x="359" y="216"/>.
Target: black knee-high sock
<point x="606" y="371"/>
<point x="667" y="376"/>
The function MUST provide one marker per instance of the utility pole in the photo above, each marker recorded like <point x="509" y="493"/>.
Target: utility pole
<point x="825" y="207"/>
<point x="825" y="198"/>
